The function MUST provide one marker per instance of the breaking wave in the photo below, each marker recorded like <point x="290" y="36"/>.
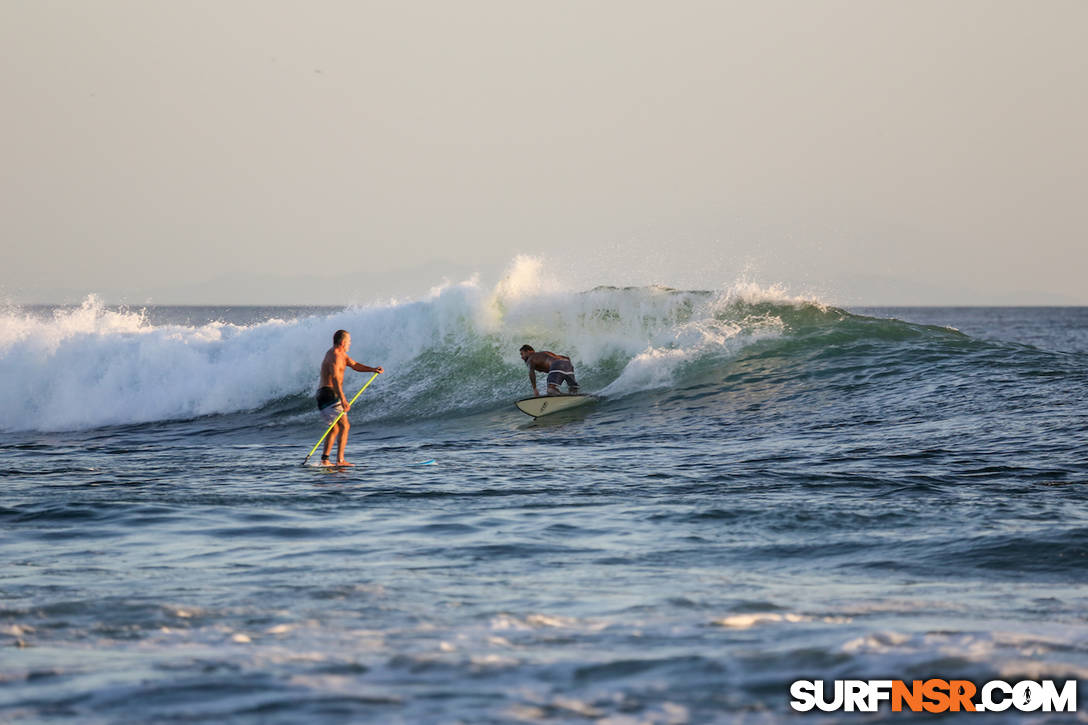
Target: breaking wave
<point x="453" y="350"/>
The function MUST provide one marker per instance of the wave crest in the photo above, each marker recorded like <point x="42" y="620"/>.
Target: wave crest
<point x="455" y="349"/>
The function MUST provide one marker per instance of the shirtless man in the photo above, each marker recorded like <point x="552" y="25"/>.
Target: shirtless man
<point x="330" y="396"/>
<point x="558" y="367"/>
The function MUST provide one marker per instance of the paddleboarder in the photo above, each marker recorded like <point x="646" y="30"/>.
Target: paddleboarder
<point x="558" y="367"/>
<point x="331" y="401"/>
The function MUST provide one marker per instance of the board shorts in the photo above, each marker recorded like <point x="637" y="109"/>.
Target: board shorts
<point x="328" y="404"/>
<point x="561" y="371"/>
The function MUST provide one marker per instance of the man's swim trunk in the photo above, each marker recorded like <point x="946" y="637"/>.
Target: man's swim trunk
<point x="328" y="404"/>
<point x="561" y="371"/>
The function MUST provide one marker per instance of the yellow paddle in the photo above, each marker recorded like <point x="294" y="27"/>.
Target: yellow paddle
<point x="368" y="382"/>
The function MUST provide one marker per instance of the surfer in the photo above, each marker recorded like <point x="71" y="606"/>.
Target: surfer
<point x="330" y="396"/>
<point x="558" y="367"/>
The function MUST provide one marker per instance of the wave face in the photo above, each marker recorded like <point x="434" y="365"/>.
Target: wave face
<point x="453" y="352"/>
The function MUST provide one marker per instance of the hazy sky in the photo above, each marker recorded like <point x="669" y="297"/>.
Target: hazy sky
<point x="877" y="152"/>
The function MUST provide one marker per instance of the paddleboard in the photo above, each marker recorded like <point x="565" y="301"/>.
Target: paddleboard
<point x="548" y="404"/>
<point x="363" y="466"/>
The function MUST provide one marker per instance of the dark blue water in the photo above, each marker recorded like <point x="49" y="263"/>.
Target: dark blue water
<point x="771" y="490"/>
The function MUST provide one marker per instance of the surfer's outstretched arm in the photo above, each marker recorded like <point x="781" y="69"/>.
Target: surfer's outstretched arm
<point x="532" y="380"/>
<point x="360" y="368"/>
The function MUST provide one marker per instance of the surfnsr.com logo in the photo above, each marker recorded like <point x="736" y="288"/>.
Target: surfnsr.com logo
<point x="934" y="695"/>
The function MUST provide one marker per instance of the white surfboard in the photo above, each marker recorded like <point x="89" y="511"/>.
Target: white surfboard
<point x="548" y="404"/>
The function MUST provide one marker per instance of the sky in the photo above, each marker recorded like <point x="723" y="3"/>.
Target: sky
<point x="324" y="152"/>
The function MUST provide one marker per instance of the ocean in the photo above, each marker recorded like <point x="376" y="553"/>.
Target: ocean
<point x="771" y="489"/>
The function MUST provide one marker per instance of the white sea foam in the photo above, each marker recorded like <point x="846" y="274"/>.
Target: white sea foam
<point x="94" y="366"/>
<point x="747" y="621"/>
